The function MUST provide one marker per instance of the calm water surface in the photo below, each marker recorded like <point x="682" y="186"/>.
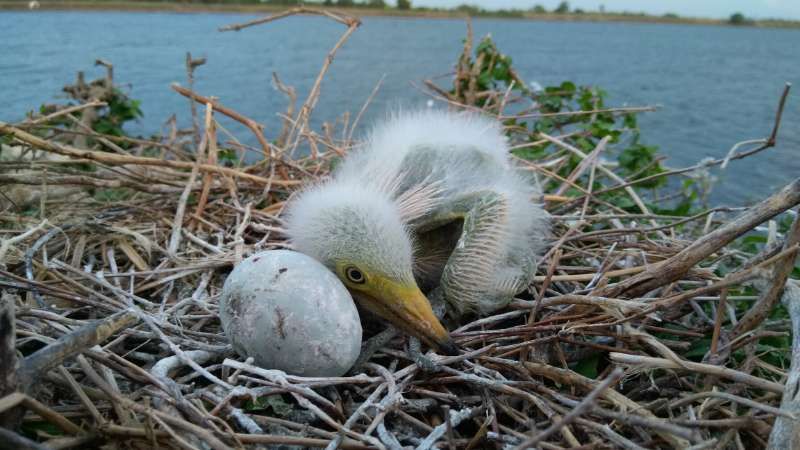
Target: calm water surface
<point x="715" y="85"/>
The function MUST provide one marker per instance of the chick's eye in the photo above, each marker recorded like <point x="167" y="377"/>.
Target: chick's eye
<point x="355" y="275"/>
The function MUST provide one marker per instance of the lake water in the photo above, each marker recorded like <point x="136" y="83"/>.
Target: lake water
<point x="715" y="85"/>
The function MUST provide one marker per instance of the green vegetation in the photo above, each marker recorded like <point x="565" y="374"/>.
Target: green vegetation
<point x="558" y="114"/>
<point x="120" y="109"/>
<point x="538" y="9"/>
<point x="739" y="19"/>
<point x="561" y="112"/>
<point x="562" y="8"/>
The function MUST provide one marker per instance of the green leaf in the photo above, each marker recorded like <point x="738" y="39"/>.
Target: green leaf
<point x="545" y="125"/>
<point x="274" y="402"/>
<point x="629" y="120"/>
<point x="531" y="153"/>
<point x="754" y="239"/>
<point x="227" y="155"/>
<point x="501" y="72"/>
<point x="31" y="428"/>
<point x="113" y="195"/>
<point x="484" y="80"/>
<point x="568" y="87"/>
<point x="698" y="349"/>
<point x="484" y="46"/>
<point x="588" y="367"/>
<point x="279" y="406"/>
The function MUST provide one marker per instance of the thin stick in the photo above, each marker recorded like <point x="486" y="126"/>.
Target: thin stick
<point x="10" y="440"/>
<point x="6" y="244"/>
<point x="720" y="317"/>
<point x="629" y="109"/>
<point x="363" y="110"/>
<point x="37" y="364"/>
<point x="780" y="274"/>
<point x="9" y="364"/>
<point x="303" y="117"/>
<point x="62" y="112"/>
<point x="114" y="159"/>
<point x="676" y="266"/>
<point x="647" y="362"/>
<point x="786" y="432"/>
<point x="177" y="221"/>
<point x="584" y="406"/>
<point x="302" y="10"/>
<point x="255" y="127"/>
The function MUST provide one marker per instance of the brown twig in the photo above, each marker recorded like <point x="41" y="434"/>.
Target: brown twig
<point x="769" y="298"/>
<point x="676" y="266"/>
<point x="786" y="432"/>
<point x="255" y="127"/>
<point x="8" y="354"/>
<point x="37" y="364"/>
<point x="646" y="362"/>
<point x="113" y="159"/>
<point x="584" y="406"/>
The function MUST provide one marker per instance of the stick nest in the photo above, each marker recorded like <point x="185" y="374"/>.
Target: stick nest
<point x="641" y="330"/>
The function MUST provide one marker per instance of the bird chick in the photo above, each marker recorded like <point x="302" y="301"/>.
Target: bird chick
<point x="431" y="199"/>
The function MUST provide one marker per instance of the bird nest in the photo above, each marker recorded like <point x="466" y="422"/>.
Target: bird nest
<point x="641" y="329"/>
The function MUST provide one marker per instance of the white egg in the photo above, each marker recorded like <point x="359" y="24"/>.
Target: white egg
<point x="289" y="312"/>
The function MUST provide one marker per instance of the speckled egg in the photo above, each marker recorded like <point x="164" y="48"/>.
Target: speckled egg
<point x="289" y="312"/>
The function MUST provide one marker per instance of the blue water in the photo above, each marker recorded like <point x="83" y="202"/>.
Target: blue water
<point x="715" y="85"/>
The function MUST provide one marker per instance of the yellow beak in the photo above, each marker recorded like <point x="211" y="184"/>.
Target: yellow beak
<point x="407" y="308"/>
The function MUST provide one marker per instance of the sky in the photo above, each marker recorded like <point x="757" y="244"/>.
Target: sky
<point x="779" y="9"/>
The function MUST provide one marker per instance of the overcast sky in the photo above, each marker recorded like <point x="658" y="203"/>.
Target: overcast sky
<point x="781" y="9"/>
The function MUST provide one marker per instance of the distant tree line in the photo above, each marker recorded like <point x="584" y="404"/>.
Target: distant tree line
<point x="563" y="8"/>
<point x="377" y="4"/>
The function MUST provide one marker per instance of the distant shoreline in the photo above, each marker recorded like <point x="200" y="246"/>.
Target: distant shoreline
<point x="169" y="6"/>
